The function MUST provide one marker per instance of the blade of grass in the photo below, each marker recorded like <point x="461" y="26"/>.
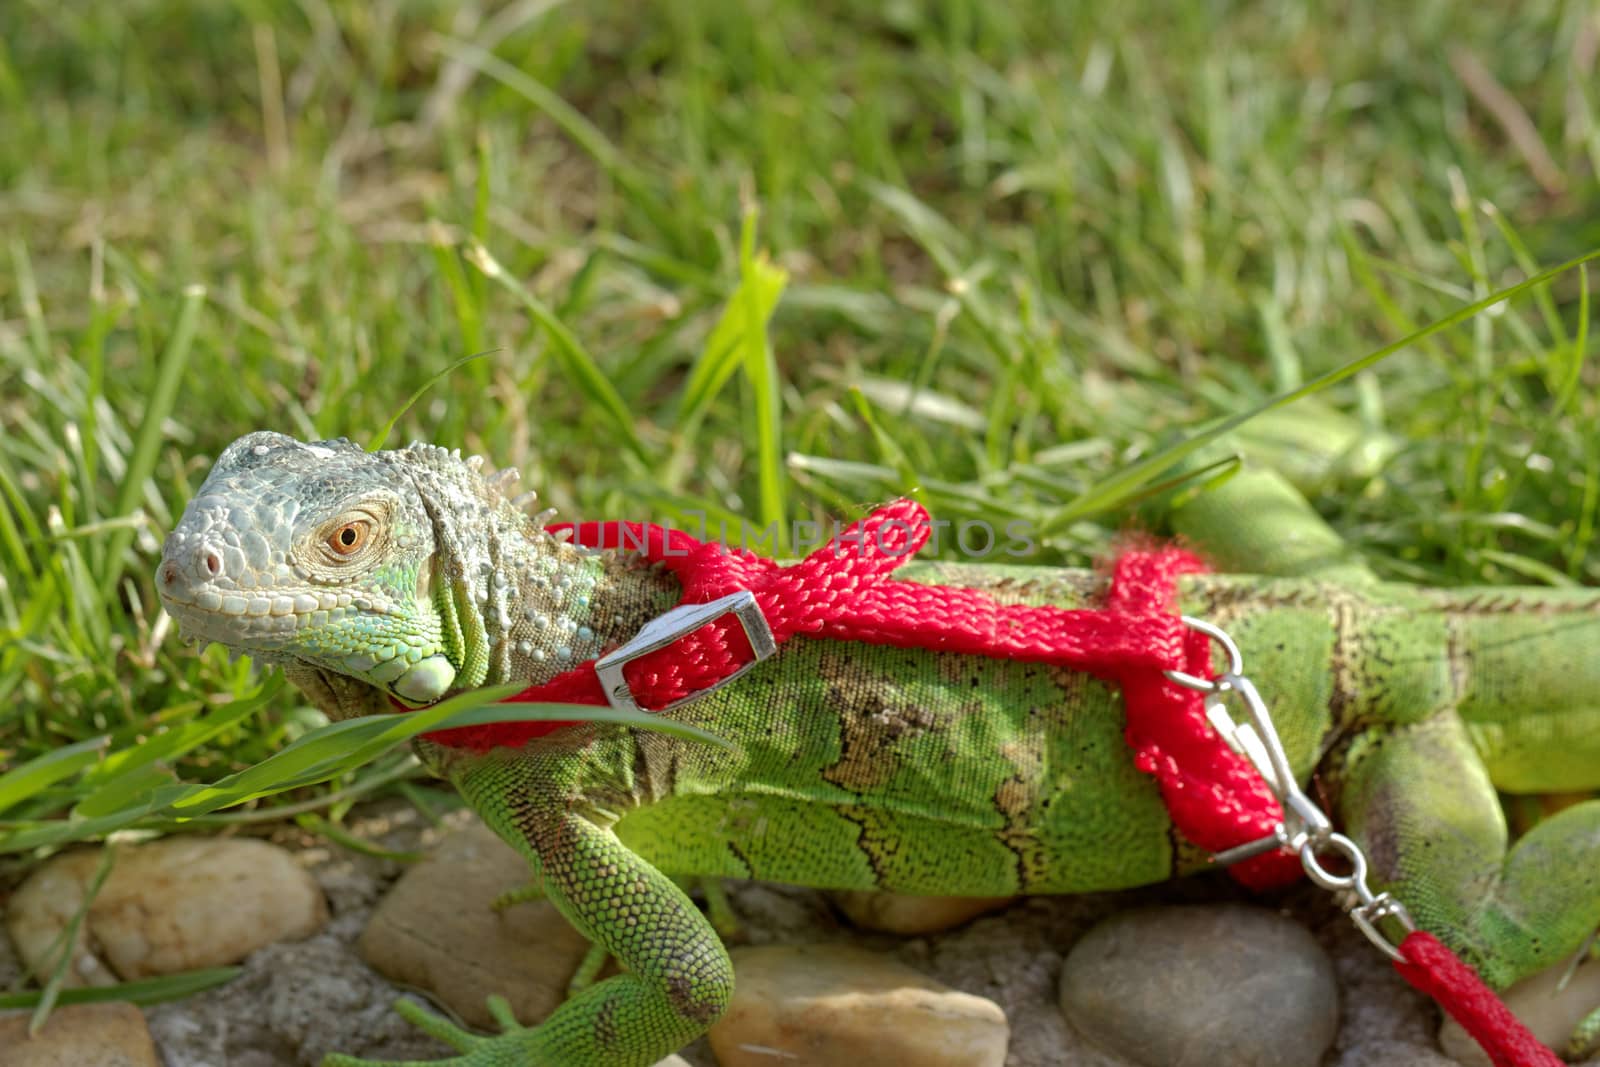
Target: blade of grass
<point x="330" y="751"/>
<point x="388" y="427"/>
<point x="44" y="771"/>
<point x="316" y="824"/>
<point x="889" y="451"/>
<point x="762" y="371"/>
<point x="142" y="463"/>
<point x="1584" y="534"/>
<point x="579" y="367"/>
<point x="760" y="286"/>
<point x="464" y="295"/>
<point x="175" y="741"/>
<point x="68" y="942"/>
<point x="341" y="746"/>
<point x="140" y="991"/>
<point x="28" y="296"/>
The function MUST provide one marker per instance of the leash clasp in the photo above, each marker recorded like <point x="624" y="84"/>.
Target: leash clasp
<point x="1305" y="828"/>
<point x="1258" y="742"/>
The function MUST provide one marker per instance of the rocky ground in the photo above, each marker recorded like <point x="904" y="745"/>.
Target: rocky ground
<point x="1189" y="973"/>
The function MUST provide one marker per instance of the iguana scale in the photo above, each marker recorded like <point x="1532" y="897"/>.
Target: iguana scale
<point x="404" y="576"/>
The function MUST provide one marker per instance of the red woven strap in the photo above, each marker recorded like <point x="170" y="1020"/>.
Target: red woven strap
<point x="1216" y="798"/>
<point x="1435" y="970"/>
<point x="838" y="592"/>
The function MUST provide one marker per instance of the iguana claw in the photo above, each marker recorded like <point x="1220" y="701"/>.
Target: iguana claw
<point x="509" y="1048"/>
<point x="1585" y="1039"/>
<point x="522" y="894"/>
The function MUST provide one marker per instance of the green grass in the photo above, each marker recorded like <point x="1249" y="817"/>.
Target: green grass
<point x="762" y="261"/>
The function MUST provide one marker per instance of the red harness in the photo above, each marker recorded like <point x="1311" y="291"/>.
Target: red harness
<point x="1215" y="797"/>
<point x="842" y="592"/>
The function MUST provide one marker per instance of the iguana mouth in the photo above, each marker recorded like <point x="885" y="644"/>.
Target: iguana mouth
<point x="238" y="606"/>
<point x="268" y="624"/>
<point x="207" y="619"/>
<point x="271" y="636"/>
<point x="241" y="618"/>
<point x="247" y="624"/>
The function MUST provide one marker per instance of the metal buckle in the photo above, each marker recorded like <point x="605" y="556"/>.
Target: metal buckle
<point x="682" y="621"/>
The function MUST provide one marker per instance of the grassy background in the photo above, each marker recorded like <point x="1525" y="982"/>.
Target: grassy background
<point x="1018" y="246"/>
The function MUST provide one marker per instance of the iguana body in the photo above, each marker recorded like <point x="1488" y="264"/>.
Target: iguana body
<point x="407" y="574"/>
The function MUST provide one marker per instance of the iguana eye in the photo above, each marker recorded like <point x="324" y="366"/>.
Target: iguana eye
<point x="342" y="544"/>
<point x="349" y="539"/>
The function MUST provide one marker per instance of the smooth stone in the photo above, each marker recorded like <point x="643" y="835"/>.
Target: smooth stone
<point x="1550" y="1013"/>
<point x="436" y="931"/>
<point x="79" y="1035"/>
<point x="674" y="1061"/>
<point x="825" y="1005"/>
<point x="176" y="904"/>
<point x="902" y="913"/>
<point x="1196" y="986"/>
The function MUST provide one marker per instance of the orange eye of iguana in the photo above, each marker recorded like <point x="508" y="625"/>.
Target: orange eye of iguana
<point x="348" y="539"/>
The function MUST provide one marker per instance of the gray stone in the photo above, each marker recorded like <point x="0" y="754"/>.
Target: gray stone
<point x="1196" y="986"/>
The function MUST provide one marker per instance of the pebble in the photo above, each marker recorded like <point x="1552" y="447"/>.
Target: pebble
<point x="79" y="1035"/>
<point x="436" y="931"/>
<point x="1550" y="1013"/>
<point x="1193" y="986"/>
<point x="172" y="905"/>
<point x="902" y="913"/>
<point x="826" y="1005"/>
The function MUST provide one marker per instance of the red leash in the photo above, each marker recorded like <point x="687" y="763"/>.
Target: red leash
<point x="1216" y="797"/>
<point x="1431" y="967"/>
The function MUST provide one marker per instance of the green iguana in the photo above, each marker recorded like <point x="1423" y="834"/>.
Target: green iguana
<point x="405" y="576"/>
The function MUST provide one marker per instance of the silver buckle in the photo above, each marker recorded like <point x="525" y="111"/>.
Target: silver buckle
<point x="682" y="621"/>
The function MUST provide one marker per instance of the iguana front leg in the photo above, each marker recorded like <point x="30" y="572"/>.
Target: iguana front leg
<point x="678" y="978"/>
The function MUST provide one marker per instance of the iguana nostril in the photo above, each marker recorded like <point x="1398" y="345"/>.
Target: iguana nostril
<point x="169" y="573"/>
<point x="213" y="562"/>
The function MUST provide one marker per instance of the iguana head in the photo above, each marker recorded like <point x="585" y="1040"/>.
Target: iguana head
<point x="372" y="566"/>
